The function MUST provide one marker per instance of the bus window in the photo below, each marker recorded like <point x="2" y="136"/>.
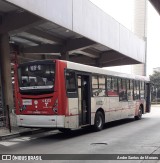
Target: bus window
<point x="142" y="90"/>
<point x="136" y="90"/>
<point x="32" y="82"/>
<point x="114" y="86"/>
<point x="36" y="77"/>
<point x="95" y="82"/>
<point x="95" y="85"/>
<point x="109" y="85"/>
<point x="102" y="88"/>
<point x="129" y="90"/>
<point x="70" y="81"/>
<point x="98" y="85"/>
<point x="112" y="89"/>
<point x="122" y="90"/>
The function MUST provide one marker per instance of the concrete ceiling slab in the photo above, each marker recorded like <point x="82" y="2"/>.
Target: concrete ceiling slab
<point x="156" y="4"/>
<point x="36" y="36"/>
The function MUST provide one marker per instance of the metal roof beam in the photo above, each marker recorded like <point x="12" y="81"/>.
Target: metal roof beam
<point x="28" y="39"/>
<point x="44" y="48"/>
<point x="110" y="55"/>
<point x="45" y="35"/>
<point x="93" y="53"/>
<point x="82" y="59"/>
<point x="71" y="46"/>
<point x="15" y="22"/>
<point x="114" y="58"/>
<point x="119" y="62"/>
<point x="83" y="53"/>
<point x="78" y="44"/>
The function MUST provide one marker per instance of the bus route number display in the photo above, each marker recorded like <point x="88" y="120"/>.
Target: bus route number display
<point x="35" y="67"/>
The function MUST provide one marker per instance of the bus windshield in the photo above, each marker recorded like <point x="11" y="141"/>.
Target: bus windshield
<point x="36" y="78"/>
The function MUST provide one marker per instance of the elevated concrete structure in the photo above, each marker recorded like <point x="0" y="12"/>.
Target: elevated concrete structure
<point x="156" y="4"/>
<point x="59" y="24"/>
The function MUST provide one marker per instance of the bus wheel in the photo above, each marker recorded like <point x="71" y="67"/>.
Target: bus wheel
<point x="99" y="121"/>
<point x="64" y="130"/>
<point x="139" y="116"/>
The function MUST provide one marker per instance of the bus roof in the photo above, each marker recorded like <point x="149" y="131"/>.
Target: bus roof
<point x="91" y="69"/>
<point x="96" y="70"/>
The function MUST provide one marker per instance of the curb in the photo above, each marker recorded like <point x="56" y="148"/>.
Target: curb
<point x="23" y="133"/>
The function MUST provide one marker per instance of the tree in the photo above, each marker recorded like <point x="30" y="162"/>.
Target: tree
<point x="155" y="80"/>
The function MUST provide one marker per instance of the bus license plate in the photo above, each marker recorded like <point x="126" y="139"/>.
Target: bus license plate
<point x="27" y="102"/>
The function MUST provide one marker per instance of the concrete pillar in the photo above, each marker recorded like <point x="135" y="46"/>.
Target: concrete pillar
<point x="1" y="97"/>
<point x="5" y="65"/>
<point x="65" y="56"/>
<point x="98" y="63"/>
<point x="140" y="26"/>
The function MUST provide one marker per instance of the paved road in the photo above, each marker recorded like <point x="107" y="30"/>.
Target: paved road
<point x="121" y="137"/>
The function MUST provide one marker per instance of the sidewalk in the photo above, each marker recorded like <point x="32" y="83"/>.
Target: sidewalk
<point x="17" y="131"/>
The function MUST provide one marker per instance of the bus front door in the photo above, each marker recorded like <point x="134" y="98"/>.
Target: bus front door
<point x="84" y="99"/>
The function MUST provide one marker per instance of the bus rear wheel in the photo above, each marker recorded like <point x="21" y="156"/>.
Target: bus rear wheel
<point x="99" y="121"/>
<point x="139" y="116"/>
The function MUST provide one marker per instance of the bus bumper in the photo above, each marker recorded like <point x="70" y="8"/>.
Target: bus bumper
<point x="54" y="121"/>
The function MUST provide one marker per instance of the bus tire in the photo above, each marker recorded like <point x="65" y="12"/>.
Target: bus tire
<point x="139" y="116"/>
<point x="99" y="121"/>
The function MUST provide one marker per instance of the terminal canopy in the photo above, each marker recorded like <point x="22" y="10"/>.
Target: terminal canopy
<point x="94" y="38"/>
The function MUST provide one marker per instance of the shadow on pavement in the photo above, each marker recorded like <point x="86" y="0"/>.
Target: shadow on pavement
<point x="87" y="130"/>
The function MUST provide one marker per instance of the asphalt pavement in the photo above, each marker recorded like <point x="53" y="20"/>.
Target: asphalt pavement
<point x="141" y="137"/>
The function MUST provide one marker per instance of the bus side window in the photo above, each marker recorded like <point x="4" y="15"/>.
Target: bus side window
<point x="142" y="90"/>
<point x="95" y="91"/>
<point x="136" y="90"/>
<point x="122" y="89"/>
<point x="112" y="89"/>
<point x="102" y="86"/>
<point x="115" y="86"/>
<point x="130" y="90"/>
<point x="98" y="86"/>
<point x="70" y="82"/>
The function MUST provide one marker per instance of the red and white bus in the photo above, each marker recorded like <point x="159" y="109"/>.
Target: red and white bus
<point x="66" y="95"/>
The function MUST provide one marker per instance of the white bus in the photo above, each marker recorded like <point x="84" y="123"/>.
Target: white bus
<point x="77" y="95"/>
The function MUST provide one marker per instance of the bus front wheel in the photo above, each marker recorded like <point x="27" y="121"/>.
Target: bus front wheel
<point x="139" y="116"/>
<point x="99" y="121"/>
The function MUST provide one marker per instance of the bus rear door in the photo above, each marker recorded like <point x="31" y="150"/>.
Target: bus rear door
<point x="84" y="99"/>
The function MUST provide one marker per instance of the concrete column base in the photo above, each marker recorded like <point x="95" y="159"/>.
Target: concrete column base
<point x="13" y="120"/>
